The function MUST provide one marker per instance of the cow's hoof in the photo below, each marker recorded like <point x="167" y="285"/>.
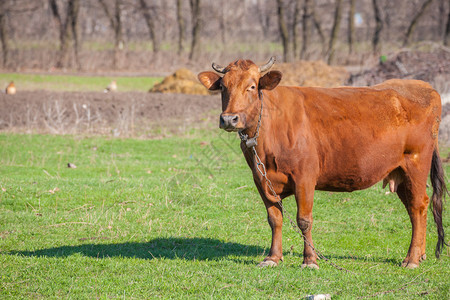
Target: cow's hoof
<point x="267" y="263"/>
<point x="409" y="265"/>
<point x="310" y="266"/>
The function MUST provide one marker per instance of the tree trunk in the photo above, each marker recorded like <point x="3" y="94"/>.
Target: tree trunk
<point x="4" y="34"/>
<point x="66" y="28"/>
<point x="196" y="21"/>
<point x="318" y="27"/>
<point x="150" y="25"/>
<point x="222" y="24"/>
<point x="442" y="17"/>
<point x="414" y="22"/>
<point x="263" y="17"/>
<point x="56" y="16"/>
<point x="118" y="33"/>
<point x="116" y="24"/>
<point x="296" y="21"/>
<point x="283" y="31"/>
<point x="306" y="24"/>
<point x="378" y="28"/>
<point x="63" y="32"/>
<point x="351" y="26"/>
<point x="64" y="46"/>
<point x="74" y="24"/>
<point x="447" y="29"/>
<point x="334" y="31"/>
<point x="181" y="26"/>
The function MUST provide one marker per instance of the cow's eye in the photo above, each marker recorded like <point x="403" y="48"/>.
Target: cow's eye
<point x="252" y="87"/>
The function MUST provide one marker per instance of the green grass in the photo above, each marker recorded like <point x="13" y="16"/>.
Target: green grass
<point x="76" y="83"/>
<point x="178" y="218"/>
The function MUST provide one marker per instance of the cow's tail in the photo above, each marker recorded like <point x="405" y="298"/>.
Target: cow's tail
<point x="437" y="178"/>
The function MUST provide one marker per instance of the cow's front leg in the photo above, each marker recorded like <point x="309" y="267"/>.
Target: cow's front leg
<point x="275" y="219"/>
<point x="305" y="198"/>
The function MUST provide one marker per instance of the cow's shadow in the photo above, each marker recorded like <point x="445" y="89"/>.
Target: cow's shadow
<point x="166" y="248"/>
<point x="176" y="248"/>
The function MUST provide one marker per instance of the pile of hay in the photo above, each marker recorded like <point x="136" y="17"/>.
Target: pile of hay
<point x="182" y="81"/>
<point x="311" y="73"/>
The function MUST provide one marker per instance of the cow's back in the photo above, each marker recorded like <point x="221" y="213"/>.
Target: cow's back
<point x="416" y="91"/>
<point x="393" y="103"/>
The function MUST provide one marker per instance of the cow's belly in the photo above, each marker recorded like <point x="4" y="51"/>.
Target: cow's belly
<point x="347" y="184"/>
<point x="358" y="168"/>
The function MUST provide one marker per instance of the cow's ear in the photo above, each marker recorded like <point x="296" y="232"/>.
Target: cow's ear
<point x="210" y="80"/>
<point x="270" y="80"/>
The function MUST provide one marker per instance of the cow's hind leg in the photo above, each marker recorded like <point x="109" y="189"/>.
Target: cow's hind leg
<point x="412" y="192"/>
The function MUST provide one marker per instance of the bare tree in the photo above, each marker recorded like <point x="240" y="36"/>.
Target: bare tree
<point x="181" y="26"/>
<point x="308" y="15"/>
<point x="11" y="10"/>
<point x="442" y="17"/>
<point x="223" y="23"/>
<point x="115" y="21"/>
<point x="351" y="26"/>
<point x="263" y="17"/>
<point x="317" y="24"/>
<point x="73" y="10"/>
<point x="283" y="31"/>
<point x="378" y="27"/>
<point x="297" y="17"/>
<point x="414" y="21"/>
<point x="4" y="33"/>
<point x="150" y="24"/>
<point x="196" y="26"/>
<point x="67" y="30"/>
<point x="306" y="27"/>
<point x="447" y="28"/>
<point x="334" y="31"/>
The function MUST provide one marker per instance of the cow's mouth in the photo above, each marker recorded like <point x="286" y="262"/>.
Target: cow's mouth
<point x="231" y="129"/>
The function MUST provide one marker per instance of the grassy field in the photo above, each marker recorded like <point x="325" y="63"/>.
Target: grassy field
<point x="180" y="218"/>
<point x="75" y="83"/>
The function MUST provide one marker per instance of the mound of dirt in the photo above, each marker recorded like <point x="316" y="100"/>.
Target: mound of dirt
<point x="182" y="81"/>
<point x="432" y="67"/>
<point x="311" y="73"/>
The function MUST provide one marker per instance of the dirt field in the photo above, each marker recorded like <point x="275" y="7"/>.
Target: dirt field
<point x="148" y="115"/>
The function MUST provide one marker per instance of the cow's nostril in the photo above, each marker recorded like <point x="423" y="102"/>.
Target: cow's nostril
<point x="234" y="120"/>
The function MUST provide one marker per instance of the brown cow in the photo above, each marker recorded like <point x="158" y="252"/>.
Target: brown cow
<point x="335" y="139"/>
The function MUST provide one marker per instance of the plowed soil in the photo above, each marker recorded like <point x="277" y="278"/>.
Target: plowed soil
<point x="119" y="114"/>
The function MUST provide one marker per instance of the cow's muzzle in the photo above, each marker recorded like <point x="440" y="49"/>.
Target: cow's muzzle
<point x="229" y="122"/>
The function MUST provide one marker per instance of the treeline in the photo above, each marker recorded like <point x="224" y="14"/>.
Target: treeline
<point x="126" y="34"/>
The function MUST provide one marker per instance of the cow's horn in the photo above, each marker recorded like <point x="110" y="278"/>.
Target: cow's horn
<point x="268" y="65"/>
<point x="218" y="68"/>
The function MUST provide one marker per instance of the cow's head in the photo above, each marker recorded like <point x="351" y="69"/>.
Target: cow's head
<point x="241" y="86"/>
